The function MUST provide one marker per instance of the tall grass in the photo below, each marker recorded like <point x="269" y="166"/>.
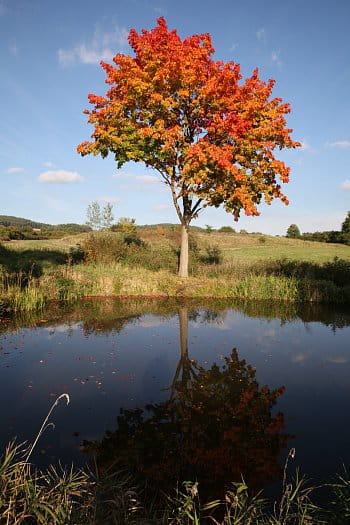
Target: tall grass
<point x="61" y="496"/>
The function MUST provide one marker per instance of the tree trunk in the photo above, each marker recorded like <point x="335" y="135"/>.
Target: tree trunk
<point x="183" y="323"/>
<point x="183" y="266"/>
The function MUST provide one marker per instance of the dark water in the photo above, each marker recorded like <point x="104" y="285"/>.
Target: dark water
<point x="151" y="365"/>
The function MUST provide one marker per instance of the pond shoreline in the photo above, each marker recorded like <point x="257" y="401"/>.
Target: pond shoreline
<point x="118" y="281"/>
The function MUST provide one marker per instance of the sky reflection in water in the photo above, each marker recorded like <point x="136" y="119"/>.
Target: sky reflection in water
<point x="114" y="354"/>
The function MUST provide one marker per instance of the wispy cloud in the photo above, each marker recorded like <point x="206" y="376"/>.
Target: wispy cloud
<point x="13" y="48"/>
<point x="106" y="199"/>
<point x="147" y="179"/>
<point x="345" y="185"/>
<point x="305" y="146"/>
<point x="162" y="207"/>
<point x="143" y="179"/>
<point x="123" y="175"/>
<point x="341" y="144"/>
<point x="50" y="165"/>
<point x="103" y="46"/>
<point x="60" y="177"/>
<point x="159" y="10"/>
<point x="15" y="170"/>
<point x="275" y="58"/>
<point x="261" y="34"/>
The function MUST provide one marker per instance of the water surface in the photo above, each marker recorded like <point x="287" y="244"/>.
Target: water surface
<point x="179" y="387"/>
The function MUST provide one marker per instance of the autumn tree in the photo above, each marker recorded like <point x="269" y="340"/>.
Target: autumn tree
<point x="210" y="135"/>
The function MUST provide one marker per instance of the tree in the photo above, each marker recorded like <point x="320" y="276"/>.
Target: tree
<point x="126" y="225"/>
<point x="93" y="214"/>
<point x="107" y="216"/>
<point x="345" y="227"/>
<point x="293" y="232"/>
<point x="99" y="218"/>
<point x="210" y="137"/>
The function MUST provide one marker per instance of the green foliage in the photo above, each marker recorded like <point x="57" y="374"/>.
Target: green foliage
<point x="103" y="247"/>
<point x="293" y="232"/>
<point x="208" y="228"/>
<point x="126" y="226"/>
<point x="345" y="227"/>
<point x="30" y="496"/>
<point x="17" y="228"/>
<point x="213" y="255"/>
<point x="226" y="229"/>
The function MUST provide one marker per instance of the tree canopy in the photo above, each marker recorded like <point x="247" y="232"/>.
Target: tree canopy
<point x="293" y="232"/>
<point x="210" y="135"/>
<point x="345" y="227"/>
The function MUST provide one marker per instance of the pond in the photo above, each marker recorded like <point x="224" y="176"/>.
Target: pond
<point x="182" y="389"/>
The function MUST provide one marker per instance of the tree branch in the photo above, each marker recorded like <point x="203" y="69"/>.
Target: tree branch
<point x="176" y="204"/>
<point x="195" y="207"/>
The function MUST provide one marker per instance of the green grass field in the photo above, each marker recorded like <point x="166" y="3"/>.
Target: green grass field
<point x="246" y="247"/>
<point x="246" y="266"/>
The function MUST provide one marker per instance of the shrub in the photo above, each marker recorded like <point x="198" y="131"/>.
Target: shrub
<point x="104" y="247"/>
<point x="226" y="229"/>
<point x="213" y="255"/>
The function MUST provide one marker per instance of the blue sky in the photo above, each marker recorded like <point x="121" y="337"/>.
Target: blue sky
<point x="49" y="62"/>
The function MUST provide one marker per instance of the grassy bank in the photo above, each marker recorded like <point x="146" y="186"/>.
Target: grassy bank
<point x="56" y="496"/>
<point x="236" y="266"/>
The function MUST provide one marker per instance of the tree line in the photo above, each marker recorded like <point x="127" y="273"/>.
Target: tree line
<point x="334" y="236"/>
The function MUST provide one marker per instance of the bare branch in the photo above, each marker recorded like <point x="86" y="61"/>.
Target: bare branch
<point x="195" y="207"/>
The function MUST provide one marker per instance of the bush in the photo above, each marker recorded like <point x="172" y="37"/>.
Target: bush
<point x="226" y="229"/>
<point x="104" y="247"/>
<point x="213" y="255"/>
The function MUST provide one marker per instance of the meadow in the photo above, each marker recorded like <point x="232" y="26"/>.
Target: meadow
<point x="144" y="263"/>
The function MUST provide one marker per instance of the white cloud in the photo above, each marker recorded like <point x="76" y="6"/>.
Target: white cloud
<point x="276" y="59"/>
<point x="60" y="177"/>
<point x="233" y="47"/>
<point x="345" y="185"/>
<point x="103" y="46"/>
<point x="341" y="144"/>
<point x="147" y="179"/>
<point x="261" y="34"/>
<point x="15" y="170"/>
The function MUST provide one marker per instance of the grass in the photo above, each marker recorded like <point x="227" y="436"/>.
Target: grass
<point x="221" y="265"/>
<point x="60" y="496"/>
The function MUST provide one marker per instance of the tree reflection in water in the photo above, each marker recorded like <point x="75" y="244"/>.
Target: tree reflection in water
<point x="216" y="427"/>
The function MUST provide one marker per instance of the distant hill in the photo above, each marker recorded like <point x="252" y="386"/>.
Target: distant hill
<point x="25" y="224"/>
<point x="167" y="225"/>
